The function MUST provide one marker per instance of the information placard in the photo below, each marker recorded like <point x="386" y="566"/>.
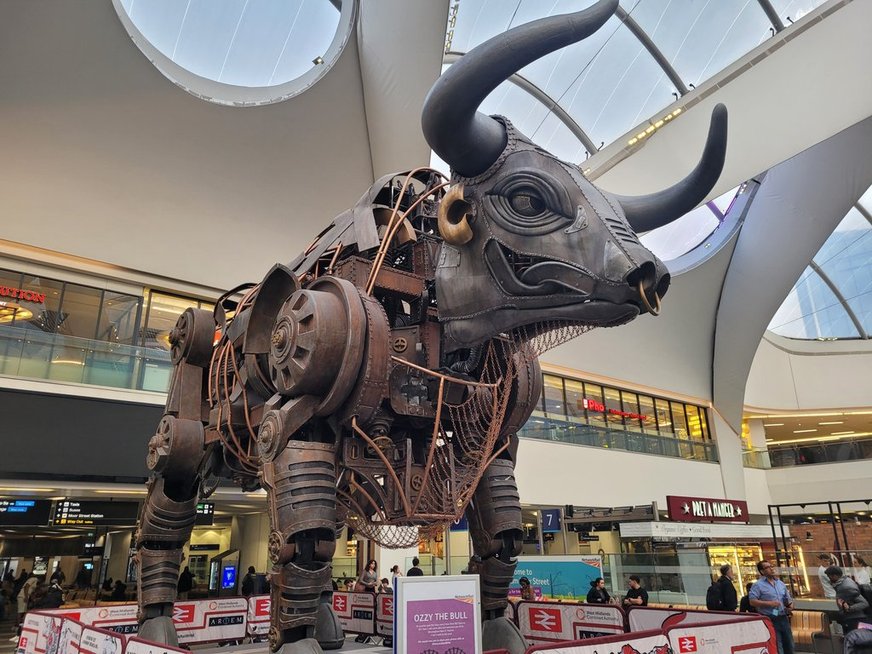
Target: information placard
<point x="40" y="634"/>
<point x="139" y="646"/>
<point x="736" y="636"/>
<point x="100" y="641"/>
<point x="71" y="635"/>
<point x="438" y="614"/>
<point x="120" y="618"/>
<point x="205" y="513"/>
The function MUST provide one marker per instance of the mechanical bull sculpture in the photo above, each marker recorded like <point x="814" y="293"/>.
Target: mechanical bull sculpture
<point x="379" y="380"/>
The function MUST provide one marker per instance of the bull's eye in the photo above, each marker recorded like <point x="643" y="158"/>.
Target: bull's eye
<point x="527" y="202"/>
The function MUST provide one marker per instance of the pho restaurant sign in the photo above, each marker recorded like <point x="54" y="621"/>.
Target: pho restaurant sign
<point x="706" y="509"/>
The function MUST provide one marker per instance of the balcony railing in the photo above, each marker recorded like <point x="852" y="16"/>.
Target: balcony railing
<point x="798" y="454"/>
<point x="34" y="354"/>
<point x="582" y="434"/>
<point x="756" y="458"/>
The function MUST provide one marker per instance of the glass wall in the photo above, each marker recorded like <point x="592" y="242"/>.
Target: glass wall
<point x="584" y="413"/>
<point x="69" y="332"/>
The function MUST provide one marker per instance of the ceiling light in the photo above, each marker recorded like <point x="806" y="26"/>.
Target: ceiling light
<point x="841" y="433"/>
<point x="774" y="424"/>
<point x="24" y="489"/>
<point x="121" y="492"/>
<point x="834" y="422"/>
<point x="803" y="431"/>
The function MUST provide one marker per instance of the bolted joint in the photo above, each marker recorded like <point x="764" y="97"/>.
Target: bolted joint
<point x="270" y="437"/>
<point x="176" y="447"/>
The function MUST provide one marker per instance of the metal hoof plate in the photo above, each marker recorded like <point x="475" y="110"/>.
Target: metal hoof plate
<point x="305" y="646"/>
<point x="159" y="630"/>
<point x="500" y="633"/>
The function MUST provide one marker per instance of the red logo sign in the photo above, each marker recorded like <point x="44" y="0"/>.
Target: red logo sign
<point x="706" y="509"/>
<point x="339" y="603"/>
<point x="183" y="613"/>
<point x="261" y="606"/>
<point x="387" y="605"/>
<point x="686" y="644"/>
<point x="546" y="620"/>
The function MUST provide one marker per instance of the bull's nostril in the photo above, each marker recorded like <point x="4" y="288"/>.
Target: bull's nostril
<point x="650" y="289"/>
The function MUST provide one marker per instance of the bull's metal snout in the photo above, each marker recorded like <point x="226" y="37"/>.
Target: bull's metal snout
<point x="650" y="285"/>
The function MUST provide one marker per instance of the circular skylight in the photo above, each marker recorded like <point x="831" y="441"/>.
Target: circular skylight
<point x="240" y="52"/>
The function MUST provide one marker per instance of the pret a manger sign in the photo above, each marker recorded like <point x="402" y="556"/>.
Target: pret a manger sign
<point x="706" y="509"/>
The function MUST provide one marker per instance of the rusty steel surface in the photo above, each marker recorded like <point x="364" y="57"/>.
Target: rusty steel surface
<point x="381" y="377"/>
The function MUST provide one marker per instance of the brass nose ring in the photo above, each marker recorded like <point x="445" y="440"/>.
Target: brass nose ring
<point x="651" y="310"/>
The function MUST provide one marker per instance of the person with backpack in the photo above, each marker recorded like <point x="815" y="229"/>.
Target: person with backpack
<point x="852" y="605"/>
<point x="248" y="582"/>
<point x="721" y="595"/>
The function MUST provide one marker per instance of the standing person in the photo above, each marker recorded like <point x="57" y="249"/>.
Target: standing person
<point x="728" y="596"/>
<point x="745" y="603"/>
<point x="826" y="560"/>
<point x="598" y="593"/>
<point x="57" y="576"/>
<point x="415" y="571"/>
<point x="852" y="605"/>
<point x="186" y="583"/>
<point x="119" y="592"/>
<point x="83" y="579"/>
<point x="248" y="582"/>
<point x="526" y="589"/>
<point x="771" y="598"/>
<point x="369" y="576"/>
<point x="861" y="570"/>
<point x="24" y="593"/>
<point x="636" y="595"/>
<point x="395" y="572"/>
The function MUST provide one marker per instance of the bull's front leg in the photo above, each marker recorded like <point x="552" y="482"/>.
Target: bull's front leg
<point x="301" y="490"/>
<point x="494" y="517"/>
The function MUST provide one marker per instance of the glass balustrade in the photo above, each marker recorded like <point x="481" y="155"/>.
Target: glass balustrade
<point x="798" y="454"/>
<point x="594" y="436"/>
<point x="33" y="354"/>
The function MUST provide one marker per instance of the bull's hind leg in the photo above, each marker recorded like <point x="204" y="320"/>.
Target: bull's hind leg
<point x="301" y="489"/>
<point x="494" y="517"/>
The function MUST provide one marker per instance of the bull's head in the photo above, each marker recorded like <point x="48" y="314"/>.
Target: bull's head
<point x="527" y="239"/>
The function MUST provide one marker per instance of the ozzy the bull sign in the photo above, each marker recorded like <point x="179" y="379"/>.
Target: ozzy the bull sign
<point x="546" y="622"/>
<point x="706" y="509"/>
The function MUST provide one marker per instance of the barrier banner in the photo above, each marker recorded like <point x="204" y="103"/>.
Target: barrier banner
<point x="547" y="622"/>
<point x="40" y="634"/>
<point x="356" y="611"/>
<point x="138" y="646"/>
<point x="643" y="618"/>
<point x="755" y="635"/>
<point x="258" y="615"/>
<point x="120" y="618"/>
<point x="204" y="621"/>
<point x="646" y="642"/>
<point x="71" y="635"/>
<point x="100" y="641"/>
<point x="384" y="614"/>
<point x="557" y="577"/>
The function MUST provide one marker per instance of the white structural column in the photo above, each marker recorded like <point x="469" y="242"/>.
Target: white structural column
<point x="730" y="453"/>
<point x="758" y="433"/>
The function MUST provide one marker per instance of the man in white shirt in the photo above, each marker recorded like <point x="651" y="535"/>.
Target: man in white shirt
<point x="826" y="561"/>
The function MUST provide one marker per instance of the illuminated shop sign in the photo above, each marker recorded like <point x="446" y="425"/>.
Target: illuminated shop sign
<point x="593" y="405"/>
<point x="22" y="294"/>
<point x="706" y="509"/>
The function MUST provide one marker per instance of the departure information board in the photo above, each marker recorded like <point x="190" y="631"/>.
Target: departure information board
<point x="25" y="512"/>
<point x="83" y="512"/>
<point x="205" y="513"/>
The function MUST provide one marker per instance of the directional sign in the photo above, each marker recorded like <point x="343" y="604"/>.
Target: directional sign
<point x="27" y="512"/>
<point x="551" y="521"/>
<point x="80" y="512"/>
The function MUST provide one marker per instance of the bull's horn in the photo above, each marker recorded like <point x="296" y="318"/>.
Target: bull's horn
<point x="647" y="212"/>
<point x="470" y="141"/>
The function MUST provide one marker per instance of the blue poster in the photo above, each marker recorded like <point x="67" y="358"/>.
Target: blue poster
<point x="557" y="577"/>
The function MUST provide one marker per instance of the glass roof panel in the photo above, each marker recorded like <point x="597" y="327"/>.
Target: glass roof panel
<point x="845" y="261"/>
<point x="238" y="42"/>
<point x="794" y="9"/>
<point x="700" y="38"/>
<point x="811" y="311"/>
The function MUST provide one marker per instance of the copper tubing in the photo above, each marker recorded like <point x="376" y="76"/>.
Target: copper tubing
<point x="387" y="464"/>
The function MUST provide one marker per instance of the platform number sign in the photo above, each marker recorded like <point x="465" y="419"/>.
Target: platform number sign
<point x="551" y="521"/>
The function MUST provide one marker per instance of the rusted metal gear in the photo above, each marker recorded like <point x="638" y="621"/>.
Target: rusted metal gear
<point x="192" y="337"/>
<point x="175" y="444"/>
<point x="317" y="344"/>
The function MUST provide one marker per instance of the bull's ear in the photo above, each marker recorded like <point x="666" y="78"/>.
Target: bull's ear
<point x="454" y="215"/>
<point x="647" y="212"/>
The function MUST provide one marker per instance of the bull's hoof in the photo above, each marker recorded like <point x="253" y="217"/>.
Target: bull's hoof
<point x="501" y="633"/>
<point x="328" y="629"/>
<point x="305" y="646"/>
<point x="159" y="630"/>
